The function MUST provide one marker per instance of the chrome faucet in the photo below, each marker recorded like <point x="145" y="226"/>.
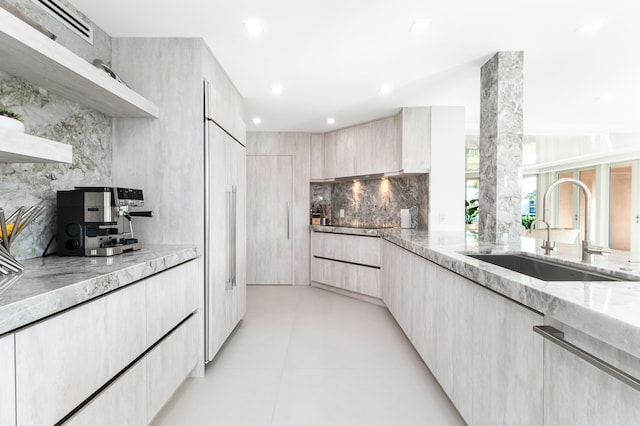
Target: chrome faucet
<point x="587" y="247"/>
<point x="547" y="244"/>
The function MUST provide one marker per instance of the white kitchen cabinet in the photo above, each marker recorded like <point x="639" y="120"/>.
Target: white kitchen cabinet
<point x="507" y="362"/>
<point x="123" y="402"/>
<point x="479" y="345"/>
<point x="348" y="248"/>
<point x="171" y="297"/>
<point x="366" y="151"/>
<point x="578" y="393"/>
<point x="415" y="139"/>
<point x="330" y="155"/>
<point x="317" y="157"/>
<point x="349" y="262"/>
<point x="66" y="358"/>
<point x="346" y="152"/>
<point x="7" y="381"/>
<point x="378" y="147"/>
<point x="179" y="350"/>
<point x="356" y="278"/>
<point x="453" y="305"/>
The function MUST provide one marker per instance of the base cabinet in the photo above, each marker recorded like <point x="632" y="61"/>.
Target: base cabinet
<point x="80" y="361"/>
<point x="578" y="393"/>
<point x="479" y="345"/>
<point x="7" y="381"/>
<point x="349" y="262"/>
<point x="178" y="350"/>
<point x="122" y="403"/>
<point x="507" y="362"/>
<point x="68" y="357"/>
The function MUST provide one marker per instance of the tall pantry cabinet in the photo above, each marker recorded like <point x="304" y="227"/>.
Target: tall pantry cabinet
<point x="166" y="159"/>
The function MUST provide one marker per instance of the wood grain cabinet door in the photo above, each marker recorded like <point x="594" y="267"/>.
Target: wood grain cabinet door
<point x="269" y="219"/>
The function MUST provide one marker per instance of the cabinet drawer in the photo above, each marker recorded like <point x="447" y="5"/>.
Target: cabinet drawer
<point x="178" y="350"/>
<point x="63" y="360"/>
<point x="7" y="381"/>
<point x="348" y="248"/>
<point x="356" y="278"/>
<point x="171" y="297"/>
<point x="122" y="403"/>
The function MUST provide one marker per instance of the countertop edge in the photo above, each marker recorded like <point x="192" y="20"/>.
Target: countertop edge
<point x="531" y="293"/>
<point x="135" y="266"/>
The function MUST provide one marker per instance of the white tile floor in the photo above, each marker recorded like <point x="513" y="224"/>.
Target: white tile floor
<point x="308" y="357"/>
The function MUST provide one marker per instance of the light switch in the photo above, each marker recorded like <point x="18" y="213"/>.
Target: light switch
<point x="341" y="212"/>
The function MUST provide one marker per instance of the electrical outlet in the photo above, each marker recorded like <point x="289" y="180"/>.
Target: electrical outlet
<point x="341" y="212"/>
<point x="441" y="219"/>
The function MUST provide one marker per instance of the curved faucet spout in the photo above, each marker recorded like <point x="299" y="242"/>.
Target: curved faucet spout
<point x="587" y="247"/>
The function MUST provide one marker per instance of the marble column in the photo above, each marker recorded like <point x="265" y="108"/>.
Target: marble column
<point x="501" y="101"/>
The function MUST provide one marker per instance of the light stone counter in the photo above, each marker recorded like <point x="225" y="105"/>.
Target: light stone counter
<point x="368" y="232"/>
<point x="608" y="311"/>
<point x="52" y="284"/>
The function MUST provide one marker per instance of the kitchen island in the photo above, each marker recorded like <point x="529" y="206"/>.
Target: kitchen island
<point x="473" y="324"/>
<point x="99" y="340"/>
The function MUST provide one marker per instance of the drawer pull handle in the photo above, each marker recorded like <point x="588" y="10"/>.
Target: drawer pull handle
<point x="556" y="336"/>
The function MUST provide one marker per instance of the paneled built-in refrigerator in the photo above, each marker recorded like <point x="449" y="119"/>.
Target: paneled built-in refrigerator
<point x="225" y="182"/>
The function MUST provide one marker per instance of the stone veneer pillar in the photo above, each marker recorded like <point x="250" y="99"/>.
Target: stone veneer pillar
<point x="501" y="100"/>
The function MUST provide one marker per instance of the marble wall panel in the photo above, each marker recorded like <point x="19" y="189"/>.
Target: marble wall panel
<point x="501" y="112"/>
<point x="53" y="117"/>
<point x="375" y="202"/>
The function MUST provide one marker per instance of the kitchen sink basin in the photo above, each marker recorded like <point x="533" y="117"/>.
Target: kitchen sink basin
<point x="542" y="269"/>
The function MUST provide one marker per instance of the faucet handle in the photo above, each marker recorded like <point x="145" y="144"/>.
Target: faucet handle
<point x="594" y="249"/>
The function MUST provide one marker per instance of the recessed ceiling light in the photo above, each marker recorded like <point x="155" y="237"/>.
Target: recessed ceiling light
<point x="419" y="26"/>
<point x="276" y="90"/>
<point x="331" y="120"/>
<point x="605" y="98"/>
<point x="591" y="26"/>
<point x="256" y="120"/>
<point x="253" y="27"/>
<point x="385" y="89"/>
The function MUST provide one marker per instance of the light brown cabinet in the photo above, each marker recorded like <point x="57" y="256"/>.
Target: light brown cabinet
<point x="7" y="381"/>
<point x="349" y="262"/>
<point x="393" y="145"/>
<point x="71" y="356"/>
<point x="479" y="345"/>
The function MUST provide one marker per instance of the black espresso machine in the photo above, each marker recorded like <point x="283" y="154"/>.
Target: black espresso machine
<point x="89" y="221"/>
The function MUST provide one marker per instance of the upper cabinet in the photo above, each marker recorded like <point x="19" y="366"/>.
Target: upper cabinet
<point x="396" y="145"/>
<point x="29" y="54"/>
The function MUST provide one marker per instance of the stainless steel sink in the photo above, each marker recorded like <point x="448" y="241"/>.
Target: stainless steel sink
<point x="542" y="269"/>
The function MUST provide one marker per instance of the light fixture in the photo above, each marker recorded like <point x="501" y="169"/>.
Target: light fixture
<point x="385" y="89"/>
<point x="253" y="27"/>
<point x="419" y="26"/>
<point x="276" y="90"/>
<point x="605" y="98"/>
<point x="591" y="26"/>
<point x="331" y="120"/>
<point x="256" y="120"/>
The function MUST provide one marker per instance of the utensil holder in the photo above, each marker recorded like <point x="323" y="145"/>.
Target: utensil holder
<point x="10" y="228"/>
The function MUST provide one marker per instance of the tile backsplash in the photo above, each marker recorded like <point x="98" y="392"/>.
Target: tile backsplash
<point x="375" y="202"/>
<point x="50" y="116"/>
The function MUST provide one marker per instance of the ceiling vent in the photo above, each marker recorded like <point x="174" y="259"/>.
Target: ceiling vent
<point x="68" y="18"/>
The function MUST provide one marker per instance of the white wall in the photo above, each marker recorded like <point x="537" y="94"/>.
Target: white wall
<point x="447" y="175"/>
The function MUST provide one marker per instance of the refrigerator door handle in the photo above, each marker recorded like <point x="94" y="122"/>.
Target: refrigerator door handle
<point x="231" y="199"/>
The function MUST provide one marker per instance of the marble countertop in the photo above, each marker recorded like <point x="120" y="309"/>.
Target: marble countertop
<point x="608" y="311"/>
<point x="349" y="230"/>
<point x="52" y="284"/>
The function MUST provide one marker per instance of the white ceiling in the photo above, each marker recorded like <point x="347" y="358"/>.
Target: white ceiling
<point x="331" y="56"/>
